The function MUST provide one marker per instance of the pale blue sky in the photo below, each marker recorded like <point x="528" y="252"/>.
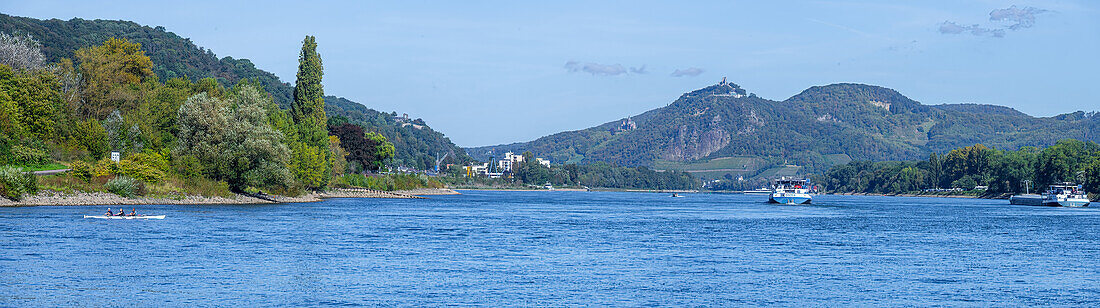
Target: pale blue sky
<point x="489" y="72"/>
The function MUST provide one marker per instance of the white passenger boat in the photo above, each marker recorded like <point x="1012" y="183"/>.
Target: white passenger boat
<point x="126" y="217"/>
<point x="1064" y="194"/>
<point x="791" y="191"/>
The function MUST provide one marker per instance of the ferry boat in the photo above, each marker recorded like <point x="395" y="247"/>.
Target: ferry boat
<point x="791" y="191"/>
<point x="1064" y="194"/>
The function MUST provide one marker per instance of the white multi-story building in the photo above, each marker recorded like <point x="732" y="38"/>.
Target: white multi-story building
<point x="510" y="159"/>
<point x="482" y="169"/>
<point x="503" y="165"/>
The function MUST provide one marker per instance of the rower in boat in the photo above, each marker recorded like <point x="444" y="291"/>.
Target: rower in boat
<point x="133" y="212"/>
<point x="109" y="212"/>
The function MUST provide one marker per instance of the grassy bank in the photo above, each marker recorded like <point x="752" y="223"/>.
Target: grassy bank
<point x="32" y="168"/>
<point x="171" y="187"/>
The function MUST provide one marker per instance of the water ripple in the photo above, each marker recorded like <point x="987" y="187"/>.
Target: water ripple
<point x="557" y="249"/>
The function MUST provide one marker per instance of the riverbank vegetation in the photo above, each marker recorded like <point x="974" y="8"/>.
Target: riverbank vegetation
<point x="14" y="183"/>
<point x="530" y="173"/>
<point x="175" y="137"/>
<point x="992" y="171"/>
<point x="417" y="144"/>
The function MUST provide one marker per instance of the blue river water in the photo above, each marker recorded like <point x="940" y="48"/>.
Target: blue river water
<point x="488" y="248"/>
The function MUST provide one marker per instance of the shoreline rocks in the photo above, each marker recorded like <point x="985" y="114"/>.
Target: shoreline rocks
<point x="428" y="192"/>
<point x="102" y="198"/>
<point x="49" y="197"/>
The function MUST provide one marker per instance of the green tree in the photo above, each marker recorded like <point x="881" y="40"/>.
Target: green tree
<point x="203" y="123"/>
<point x="112" y="74"/>
<point x="312" y="158"/>
<point x="965" y="182"/>
<point x="530" y="171"/>
<point x="339" y="156"/>
<point x="1092" y="175"/>
<point x="1064" y="161"/>
<point x="233" y="140"/>
<point x="92" y="137"/>
<point x="383" y="150"/>
<point x="935" y="170"/>
<point x="1013" y="168"/>
<point x="29" y="103"/>
<point x="260" y="156"/>
<point x="309" y="102"/>
<point x="309" y="166"/>
<point x="308" y="91"/>
<point x="972" y="161"/>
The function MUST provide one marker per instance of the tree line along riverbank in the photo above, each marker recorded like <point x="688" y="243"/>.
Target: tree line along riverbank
<point x="972" y="171"/>
<point x="122" y="130"/>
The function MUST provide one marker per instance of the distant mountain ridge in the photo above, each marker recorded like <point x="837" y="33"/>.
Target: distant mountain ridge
<point x="817" y="128"/>
<point x="175" y="56"/>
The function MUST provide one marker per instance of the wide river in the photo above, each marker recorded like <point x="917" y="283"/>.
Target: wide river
<point x="556" y="248"/>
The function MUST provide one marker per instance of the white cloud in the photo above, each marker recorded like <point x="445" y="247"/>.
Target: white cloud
<point x="1019" y="17"/>
<point x="1015" y="17"/>
<point x="595" y="68"/>
<point x="689" y="72"/>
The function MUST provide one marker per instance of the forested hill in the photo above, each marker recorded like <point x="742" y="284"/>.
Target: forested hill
<point x="417" y="144"/>
<point x="176" y="56"/>
<point x="818" y="128"/>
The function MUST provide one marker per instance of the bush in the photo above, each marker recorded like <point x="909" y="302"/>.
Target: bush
<point x="359" y="180"/>
<point x="14" y="183"/>
<point x="82" y="170"/>
<point x="105" y="167"/>
<point x="206" y="187"/>
<point x="148" y="167"/>
<point x="124" y="186"/>
<point x="187" y="166"/>
<point x="29" y="156"/>
<point x="966" y="183"/>
<point x="151" y="159"/>
<point x="252" y="190"/>
<point x="142" y="172"/>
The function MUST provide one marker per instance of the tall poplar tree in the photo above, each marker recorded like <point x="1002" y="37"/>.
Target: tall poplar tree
<point x="309" y="102"/>
<point x="312" y="160"/>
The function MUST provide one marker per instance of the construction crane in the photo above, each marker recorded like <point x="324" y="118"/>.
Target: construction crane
<point x="440" y="159"/>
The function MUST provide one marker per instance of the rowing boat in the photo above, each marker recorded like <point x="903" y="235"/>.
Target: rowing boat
<point x="126" y="217"/>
